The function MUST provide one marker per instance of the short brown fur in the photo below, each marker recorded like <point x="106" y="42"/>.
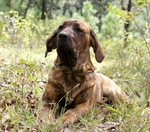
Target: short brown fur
<point x="72" y="82"/>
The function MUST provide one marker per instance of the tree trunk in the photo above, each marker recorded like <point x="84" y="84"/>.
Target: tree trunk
<point x="26" y="9"/>
<point x="43" y="16"/>
<point x="8" y="2"/>
<point x="127" y="22"/>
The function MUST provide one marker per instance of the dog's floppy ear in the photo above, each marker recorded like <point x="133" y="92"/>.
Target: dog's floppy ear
<point x="51" y="42"/>
<point x="99" y="55"/>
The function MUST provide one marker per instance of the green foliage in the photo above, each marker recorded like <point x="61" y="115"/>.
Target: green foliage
<point x="88" y="15"/>
<point x="24" y="70"/>
<point x="109" y="22"/>
<point x="143" y="3"/>
<point x="18" y="31"/>
<point x="122" y="13"/>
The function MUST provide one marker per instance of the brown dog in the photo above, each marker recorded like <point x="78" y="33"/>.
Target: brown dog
<point x="72" y="82"/>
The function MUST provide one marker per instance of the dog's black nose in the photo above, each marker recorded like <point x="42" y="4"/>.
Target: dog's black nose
<point x="63" y="35"/>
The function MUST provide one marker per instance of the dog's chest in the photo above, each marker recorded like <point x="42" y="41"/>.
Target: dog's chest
<point x="72" y="80"/>
<point x="69" y="81"/>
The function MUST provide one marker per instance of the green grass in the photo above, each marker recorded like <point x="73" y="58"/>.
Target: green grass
<point x="24" y="71"/>
<point x="22" y="77"/>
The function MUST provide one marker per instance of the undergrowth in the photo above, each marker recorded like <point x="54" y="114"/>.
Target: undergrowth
<point x="24" y="72"/>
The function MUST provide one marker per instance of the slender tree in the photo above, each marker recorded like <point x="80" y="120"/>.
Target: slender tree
<point x="43" y="16"/>
<point x="127" y="21"/>
<point x="27" y="7"/>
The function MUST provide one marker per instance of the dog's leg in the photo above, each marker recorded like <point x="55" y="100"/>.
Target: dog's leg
<point x="73" y="115"/>
<point x="111" y="90"/>
<point x="46" y="115"/>
<point x="50" y="97"/>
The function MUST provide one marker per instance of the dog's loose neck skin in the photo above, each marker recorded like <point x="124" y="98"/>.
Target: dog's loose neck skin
<point x="82" y="65"/>
<point x="74" y="76"/>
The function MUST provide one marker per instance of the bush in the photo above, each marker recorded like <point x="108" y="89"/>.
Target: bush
<point x="20" y="32"/>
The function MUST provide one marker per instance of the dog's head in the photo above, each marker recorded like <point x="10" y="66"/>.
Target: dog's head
<point x="72" y="40"/>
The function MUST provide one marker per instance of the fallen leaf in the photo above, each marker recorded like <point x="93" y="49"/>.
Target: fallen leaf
<point x="108" y="126"/>
<point x="66" y="130"/>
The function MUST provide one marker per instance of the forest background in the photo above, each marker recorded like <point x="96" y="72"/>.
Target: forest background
<point x="123" y="28"/>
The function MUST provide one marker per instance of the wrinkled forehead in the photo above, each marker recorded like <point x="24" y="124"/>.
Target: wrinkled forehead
<point x="77" y="23"/>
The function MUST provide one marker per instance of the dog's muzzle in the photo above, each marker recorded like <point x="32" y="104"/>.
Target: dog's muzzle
<point x="63" y="36"/>
<point x="65" y="49"/>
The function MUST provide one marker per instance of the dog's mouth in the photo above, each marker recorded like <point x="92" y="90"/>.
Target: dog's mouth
<point x="66" y="53"/>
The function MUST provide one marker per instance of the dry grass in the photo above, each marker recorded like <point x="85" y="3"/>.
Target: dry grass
<point x="22" y="79"/>
<point x="24" y="72"/>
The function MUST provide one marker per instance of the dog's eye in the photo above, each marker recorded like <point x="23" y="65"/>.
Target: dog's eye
<point x="79" y="29"/>
<point x="61" y="27"/>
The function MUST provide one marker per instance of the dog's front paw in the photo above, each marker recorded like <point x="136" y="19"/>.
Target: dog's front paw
<point x="68" y="118"/>
<point x="46" y="116"/>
